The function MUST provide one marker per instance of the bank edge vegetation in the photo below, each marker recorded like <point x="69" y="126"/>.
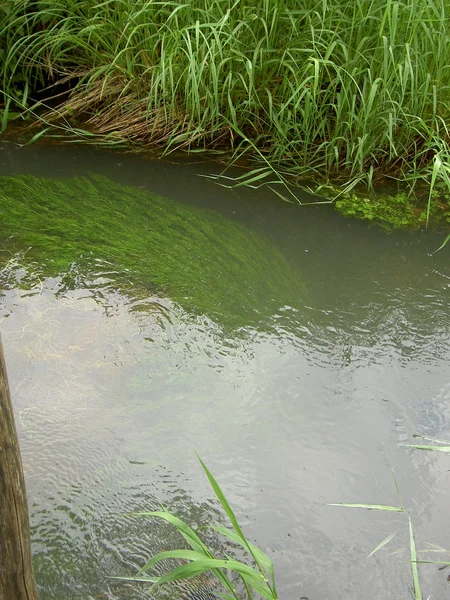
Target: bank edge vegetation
<point x="352" y="91"/>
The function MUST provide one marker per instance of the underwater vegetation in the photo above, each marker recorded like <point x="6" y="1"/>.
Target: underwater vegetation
<point x="90" y="225"/>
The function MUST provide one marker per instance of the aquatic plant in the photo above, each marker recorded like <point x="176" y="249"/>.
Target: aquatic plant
<point x="412" y="544"/>
<point x="258" y="578"/>
<point x="341" y="89"/>
<point x="202" y="260"/>
<point x="436" y="446"/>
<point x="395" y="210"/>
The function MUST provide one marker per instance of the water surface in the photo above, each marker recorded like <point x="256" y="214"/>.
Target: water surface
<point x="296" y="393"/>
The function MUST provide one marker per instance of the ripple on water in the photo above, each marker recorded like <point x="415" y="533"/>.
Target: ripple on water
<point x="114" y="390"/>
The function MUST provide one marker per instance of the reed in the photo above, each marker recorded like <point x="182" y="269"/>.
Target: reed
<point x="352" y="89"/>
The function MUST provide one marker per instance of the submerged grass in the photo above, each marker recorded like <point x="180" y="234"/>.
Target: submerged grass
<point x="336" y="89"/>
<point x="209" y="264"/>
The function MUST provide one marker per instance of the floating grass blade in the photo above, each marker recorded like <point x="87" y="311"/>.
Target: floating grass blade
<point x="434" y="448"/>
<point x="444" y="243"/>
<point x="414" y="569"/>
<point x="369" y="506"/>
<point x="136" y="578"/>
<point x="429" y="439"/>
<point x="397" y="487"/>
<point x="444" y="563"/>
<point x="382" y="544"/>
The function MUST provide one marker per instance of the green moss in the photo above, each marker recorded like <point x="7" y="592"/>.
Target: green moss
<point x="207" y="263"/>
<point x="393" y="211"/>
<point x="396" y="211"/>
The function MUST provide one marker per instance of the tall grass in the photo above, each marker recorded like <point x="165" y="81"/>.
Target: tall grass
<point x="351" y="88"/>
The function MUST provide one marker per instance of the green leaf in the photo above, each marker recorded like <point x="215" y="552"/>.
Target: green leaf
<point x="225" y="596"/>
<point x="5" y="116"/>
<point x="429" y="439"/>
<point x="259" y="586"/>
<point x="414" y="569"/>
<point x="370" y="506"/>
<point x="444" y="243"/>
<point x="422" y="447"/>
<point x="181" y="554"/>
<point x="444" y="563"/>
<point x="36" y="136"/>
<point x="383" y="543"/>
<point x="197" y="567"/>
<point x="259" y="554"/>
<point x="137" y="578"/>
<point x="192" y="539"/>
<point x="187" y="532"/>
<point x="437" y="164"/>
<point x="224" y="502"/>
<point x="397" y="488"/>
<point x="227" y="508"/>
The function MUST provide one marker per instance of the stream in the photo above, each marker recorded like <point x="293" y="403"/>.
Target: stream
<point x="297" y="352"/>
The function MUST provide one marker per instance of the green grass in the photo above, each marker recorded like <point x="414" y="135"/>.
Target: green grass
<point x="205" y="262"/>
<point x="416" y="589"/>
<point x="338" y="89"/>
<point x="259" y="577"/>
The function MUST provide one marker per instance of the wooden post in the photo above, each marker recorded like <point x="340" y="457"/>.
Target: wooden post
<point x="16" y="571"/>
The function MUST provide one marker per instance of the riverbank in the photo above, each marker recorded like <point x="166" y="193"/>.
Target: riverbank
<point x="352" y="93"/>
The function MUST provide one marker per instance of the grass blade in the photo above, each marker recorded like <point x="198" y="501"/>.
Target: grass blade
<point x="444" y="243"/>
<point x="382" y="544"/>
<point x="187" y="532"/>
<point x="227" y="508"/>
<point x="429" y="439"/>
<point x="223" y="501"/>
<point x="434" y="448"/>
<point x="263" y="559"/>
<point x="414" y="569"/>
<point x="180" y="554"/>
<point x="444" y="563"/>
<point x="137" y="578"/>
<point x="369" y="506"/>
<point x="36" y="136"/>
<point x="197" y="567"/>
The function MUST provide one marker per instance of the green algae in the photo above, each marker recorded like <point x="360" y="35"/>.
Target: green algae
<point x="396" y="211"/>
<point x="207" y="263"/>
<point x="390" y="208"/>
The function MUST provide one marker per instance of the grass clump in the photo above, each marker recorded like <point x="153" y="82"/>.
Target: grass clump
<point x="258" y="578"/>
<point x="340" y="89"/>
<point x="205" y="262"/>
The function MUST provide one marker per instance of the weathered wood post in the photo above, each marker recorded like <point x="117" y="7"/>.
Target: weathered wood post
<point x="16" y="571"/>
